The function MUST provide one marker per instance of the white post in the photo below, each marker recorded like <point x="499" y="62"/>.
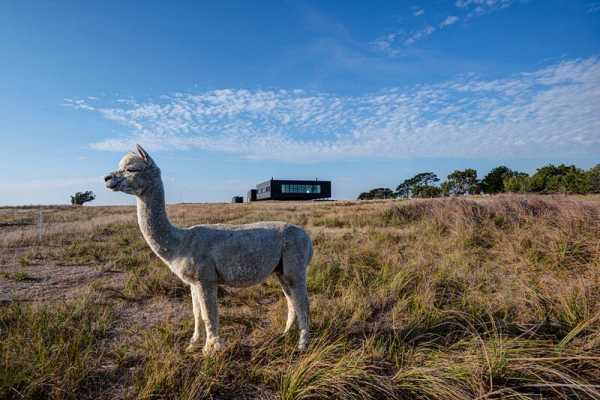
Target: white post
<point x="40" y="224"/>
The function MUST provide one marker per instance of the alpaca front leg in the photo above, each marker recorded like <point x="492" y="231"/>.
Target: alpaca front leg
<point x="210" y="315"/>
<point x="195" y="340"/>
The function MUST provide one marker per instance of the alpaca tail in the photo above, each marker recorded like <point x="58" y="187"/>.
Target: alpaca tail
<point x="310" y="252"/>
<point x="299" y="244"/>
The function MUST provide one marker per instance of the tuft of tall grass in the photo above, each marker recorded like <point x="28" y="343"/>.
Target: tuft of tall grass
<point x="501" y="367"/>
<point x="169" y="373"/>
<point x="51" y="351"/>
<point x="154" y="280"/>
<point x="334" y="371"/>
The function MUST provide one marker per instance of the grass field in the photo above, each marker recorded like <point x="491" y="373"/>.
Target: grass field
<point x="485" y="298"/>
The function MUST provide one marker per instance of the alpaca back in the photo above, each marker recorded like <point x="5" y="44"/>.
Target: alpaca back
<point x="242" y="255"/>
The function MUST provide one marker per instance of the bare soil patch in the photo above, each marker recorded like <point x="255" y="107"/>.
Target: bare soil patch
<point x="51" y="282"/>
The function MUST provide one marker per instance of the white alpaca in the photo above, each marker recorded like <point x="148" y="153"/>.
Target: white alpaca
<point x="205" y="256"/>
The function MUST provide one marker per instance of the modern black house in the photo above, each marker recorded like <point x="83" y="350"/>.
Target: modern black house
<point x="286" y="189"/>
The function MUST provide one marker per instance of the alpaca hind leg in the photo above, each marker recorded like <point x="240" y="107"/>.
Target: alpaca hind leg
<point x="291" y="315"/>
<point x="294" y="278"/>
<point x="299" y="296"/>
<point x="296" y="256"/>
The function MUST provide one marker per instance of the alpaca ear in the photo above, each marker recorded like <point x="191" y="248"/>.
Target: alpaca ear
<point x="143" y="153"/>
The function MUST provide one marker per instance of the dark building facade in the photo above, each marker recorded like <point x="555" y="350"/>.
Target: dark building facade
<point x="251" y="195"/>
<point x="285" y="189"/>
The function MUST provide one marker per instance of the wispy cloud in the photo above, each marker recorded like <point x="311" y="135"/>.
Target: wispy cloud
<point x="552" y="111"/>
<point x="593" y="8"/>
<point x="392" y="44"/>
<point x="481" y="7"/>
<point x="79" y="103"/>
<point x="451" y="19"/>
<point x="386" y="44"/>
<point x="414" y="36"/>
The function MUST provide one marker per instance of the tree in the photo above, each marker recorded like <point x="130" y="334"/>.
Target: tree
<point x="593" y="176"/>
<point x="82" y="197"/>
<point x="423" y="185"/>
<point x="425" y="179"/>
<point x="445" y="189"/>
<point x="463" y="182"/>
<point x="562" y="178"/>
<point x="427" y="191"/>
<point x="517" y="183"/>
<point x="493" y="182"/>
<point x="378" y="193"/>
<point x="419" y="185"/>
<point x="404" y="189"/>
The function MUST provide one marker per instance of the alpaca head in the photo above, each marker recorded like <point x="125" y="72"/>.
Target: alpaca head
<point x="136" y="174"/>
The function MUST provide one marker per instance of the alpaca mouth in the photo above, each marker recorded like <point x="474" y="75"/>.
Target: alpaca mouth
<point x="113" y="184"/>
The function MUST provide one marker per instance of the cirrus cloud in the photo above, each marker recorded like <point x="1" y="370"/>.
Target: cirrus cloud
<point x="552" y="111"/>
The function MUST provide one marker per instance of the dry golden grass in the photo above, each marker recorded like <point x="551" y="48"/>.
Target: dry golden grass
<point x="482" y="298"/>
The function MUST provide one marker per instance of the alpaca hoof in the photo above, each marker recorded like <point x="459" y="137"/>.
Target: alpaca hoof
<point x="192" y="347"/>
<point x="212" y="346"/>
<point x="303" y="341"/>
<point x="302" y="345"/>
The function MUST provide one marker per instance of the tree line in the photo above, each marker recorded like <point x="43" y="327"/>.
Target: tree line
<point x="548" y="179"/>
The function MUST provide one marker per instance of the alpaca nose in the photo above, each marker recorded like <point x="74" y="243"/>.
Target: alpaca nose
<point x="107" y="178"/>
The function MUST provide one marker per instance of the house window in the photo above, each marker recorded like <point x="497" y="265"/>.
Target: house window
<point x="305" y="189"/>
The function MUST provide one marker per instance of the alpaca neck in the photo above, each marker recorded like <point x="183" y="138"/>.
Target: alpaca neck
<point x="162" y="237"/>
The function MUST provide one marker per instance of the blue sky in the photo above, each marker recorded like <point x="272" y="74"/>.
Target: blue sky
<point x="227" y="94"/>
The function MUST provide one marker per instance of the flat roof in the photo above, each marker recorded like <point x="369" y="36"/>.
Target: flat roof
<point x="294" y="181"/>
